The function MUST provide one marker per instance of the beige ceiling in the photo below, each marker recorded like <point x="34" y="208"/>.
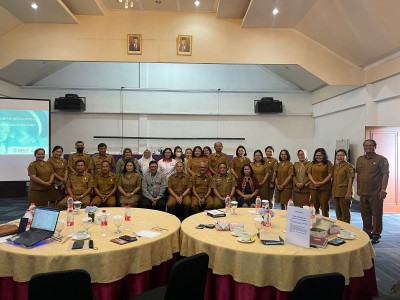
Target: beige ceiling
<point x="363" y="32"/>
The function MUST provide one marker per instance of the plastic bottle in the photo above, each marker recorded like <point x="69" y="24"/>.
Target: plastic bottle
<point x="70" y="203"/>
<point x="128" y="224"/>
<point x="28" y="214"/>
<point x="104" y="223"/>
<point x="227" y="204"/>
<point x="258" y="202"/>
<point x="267" y="220"/>
<point x="290" y="202"/>
<point x="32" y="208"/>
<point x="70" y="223"/>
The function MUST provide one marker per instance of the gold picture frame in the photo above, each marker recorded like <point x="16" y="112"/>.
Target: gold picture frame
<point x="134" y="44"/>
<point x="184" y="45"/>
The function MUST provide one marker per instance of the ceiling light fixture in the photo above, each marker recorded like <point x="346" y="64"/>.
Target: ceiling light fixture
<point x="120" y="1"/>
<point x="34" y="6"/>
<point x="275" y="11"/>
<point x="197" y="2"/>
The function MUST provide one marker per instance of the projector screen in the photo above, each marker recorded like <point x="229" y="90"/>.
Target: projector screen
<point x="24" y="127"/>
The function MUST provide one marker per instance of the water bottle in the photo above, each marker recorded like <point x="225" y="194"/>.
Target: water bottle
<point x="104" y="223"/>
<point x="227" y="204"/>
<point x="70" y="223"/>
<point x="290" y="202"/>
<point x="28" y="215"/>
<point x="128" y="224"/>
<point x="267" y="220"/>
<point x="258" y="204"/>
<point x="70" y="203"/>
<point x="32" y="208"/>
<point x="312" y="213"/>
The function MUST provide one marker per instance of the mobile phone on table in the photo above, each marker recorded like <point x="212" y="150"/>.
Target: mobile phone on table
<point x="128" y="238"/>
<point x="200" y="226"/>
<point x="336" y="242"/>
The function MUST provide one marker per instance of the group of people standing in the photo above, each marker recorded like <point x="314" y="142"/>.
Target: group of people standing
<point x="197" y="180"/>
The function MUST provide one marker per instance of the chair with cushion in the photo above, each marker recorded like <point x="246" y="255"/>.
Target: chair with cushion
<point x="71" y="284"/>
<point x="328" y="286"/>
<point x="186" y="281"/>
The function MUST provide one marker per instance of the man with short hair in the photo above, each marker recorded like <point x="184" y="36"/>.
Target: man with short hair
<point x="97" y="159"/>
<point x="372" y="179"/>
<point x="154" y="184"/>
<point x="78" y="155"/>
<point x="223" y="184"/>
<point x="105" y="186"/>
<point x="201" y="190"/>
<point x="216" y="158"/>
<point x="79" y="186"/>
<point x="179" y="185"/>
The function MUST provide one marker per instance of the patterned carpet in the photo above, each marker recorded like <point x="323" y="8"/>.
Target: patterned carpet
<point x="387" y="260"/>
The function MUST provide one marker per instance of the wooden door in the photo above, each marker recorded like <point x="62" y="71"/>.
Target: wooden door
<point x="388" y="142"/>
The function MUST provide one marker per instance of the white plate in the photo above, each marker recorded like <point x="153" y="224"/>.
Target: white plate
<point x="353" y="237"/>
<point x="239" y="239"/>
<point x="234" y="234"/>
<point x="75" y="237"/>
<point x="251" y="211"/>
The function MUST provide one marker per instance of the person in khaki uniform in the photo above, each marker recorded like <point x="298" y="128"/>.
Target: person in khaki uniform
<point x="239" y="161"/>
<point x="201" y="190"/>
<point x="342" y="186"/>
<point x="283" y="179"/>
<point x="216" y="158"/>
<point x="129" y="185"/>
<point x="320" y="175"/>
<point x="372" y="179"/>
<point x="179" y="185"/>
<point x="78" y="155"/>
<point x="301" y="190"/>
<point x="261" y="173"/>
<point x="223" y="184"/>
<point x="194" y="161"/>
<point x="105" y="186"/>
<point x="60" y="173"/>
<point x="97" y="159"/>
<point x="41" y="176"/>
<point x="272" y="167"/>
<point x="79" y="186"/>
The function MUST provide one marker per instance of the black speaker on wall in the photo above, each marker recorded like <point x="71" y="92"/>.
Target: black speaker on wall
<point x="267" y="105"/>
<point x="70" y="102"/>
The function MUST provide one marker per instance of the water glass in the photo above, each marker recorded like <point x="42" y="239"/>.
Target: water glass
<point x="59" y="227"/>
<point x="234" y="205"/>
<point x="118" y="219"/>
<point x="87" y="223"/>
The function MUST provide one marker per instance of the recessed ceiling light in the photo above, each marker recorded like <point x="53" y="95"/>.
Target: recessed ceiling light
<point x="197" y="2"/>
<point x="275" y="11"/>
<point x="120" y="1"/>
<point x="34" y="6"/>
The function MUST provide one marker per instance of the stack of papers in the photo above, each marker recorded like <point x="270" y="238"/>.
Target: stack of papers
<point x="216" y="213"/>
<point x="269" y="238"/>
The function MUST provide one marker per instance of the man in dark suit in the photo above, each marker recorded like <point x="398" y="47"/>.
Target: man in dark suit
<point x="184" y="47"/>
<point x="135" y="46"/>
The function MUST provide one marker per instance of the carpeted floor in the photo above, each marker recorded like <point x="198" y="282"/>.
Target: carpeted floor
<point x="387" y="260"/>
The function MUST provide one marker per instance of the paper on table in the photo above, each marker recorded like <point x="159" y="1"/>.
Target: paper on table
<point x="3" y="239"/>
<point x="298" y="226"/>
<point x="147" y="233"/>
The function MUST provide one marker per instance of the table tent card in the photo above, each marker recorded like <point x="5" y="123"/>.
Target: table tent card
<point x="298" y="226"/>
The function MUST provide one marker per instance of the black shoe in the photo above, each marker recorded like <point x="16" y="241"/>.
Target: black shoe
<point x="375" y="240"/>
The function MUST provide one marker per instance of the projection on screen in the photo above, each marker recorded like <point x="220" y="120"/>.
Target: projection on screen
<point x="24" y="127"/>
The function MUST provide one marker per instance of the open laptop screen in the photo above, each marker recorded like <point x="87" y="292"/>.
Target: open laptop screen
<point x="45" y="218"/>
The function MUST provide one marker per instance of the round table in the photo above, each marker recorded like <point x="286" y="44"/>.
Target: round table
<point x="277" y="266"/>
<point x="110" y="262"/>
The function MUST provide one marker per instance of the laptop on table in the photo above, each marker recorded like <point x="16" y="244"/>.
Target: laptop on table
<point x="44" y="223"/>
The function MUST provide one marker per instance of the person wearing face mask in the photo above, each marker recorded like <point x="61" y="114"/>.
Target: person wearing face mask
<point x="178" y="156"/>
<point x="301" y="190"/>
<point x="78" y="155"/>
<point x="126" y="156"/>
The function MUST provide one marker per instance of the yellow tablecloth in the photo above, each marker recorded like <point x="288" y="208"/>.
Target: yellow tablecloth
<point x="110" y="262"/>
<point x="277" y="266"/>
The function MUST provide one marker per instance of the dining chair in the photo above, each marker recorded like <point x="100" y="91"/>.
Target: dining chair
<point x="328" y="286"/>
<point x="70" y="284"/>
<point x="187" y="280"/>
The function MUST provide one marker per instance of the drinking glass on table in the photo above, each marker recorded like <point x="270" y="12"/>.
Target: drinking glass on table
<point x="118" y="219"/>
<point x="59" y="227"/>
<point x="258" y="223"/>
<point x="87" y="223"/>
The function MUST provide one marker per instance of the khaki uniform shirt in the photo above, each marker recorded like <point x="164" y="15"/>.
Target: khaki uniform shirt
<point x="131" y="183"/>
<point x="95" y="163"/>
<point x="370" y="172"/>
<point x="214" y="160"/>
<point x="179" y="184"/>
<point x="59" y="165"/>
<point x="201" y="184"/>
<point x="223" y="184"/>
<point x="300" y="175"/>
<point x="272" y="166"/>
<point x="105" y="184"/>
<point x="74" y="157"/>
<point x="43" y="171"/>
<point x="79" y="183"/>
<point x="237" y="165"/>
<point x="259" y="170"/>
<point x="342" y="173"/>
<point x="285" y="169"/>
<point x="193" y="163"/>
<point x="319" y="172"/>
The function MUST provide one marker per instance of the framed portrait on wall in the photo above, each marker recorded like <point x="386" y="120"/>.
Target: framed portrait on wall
<point x="134" y="44"/>
<point x="184" y="45"/>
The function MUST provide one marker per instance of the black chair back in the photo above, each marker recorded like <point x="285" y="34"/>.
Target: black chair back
<point x="188" y="278"/>
<point x="322" y="286"/>
<point x="71" y="284"/>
